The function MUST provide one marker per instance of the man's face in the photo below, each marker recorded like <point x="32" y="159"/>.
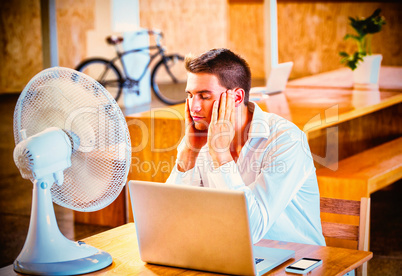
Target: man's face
<point x="202" y="90"/>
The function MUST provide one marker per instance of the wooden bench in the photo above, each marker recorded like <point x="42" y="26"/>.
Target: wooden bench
<point x="364" y="173"/>
<point x="358" y="177"/>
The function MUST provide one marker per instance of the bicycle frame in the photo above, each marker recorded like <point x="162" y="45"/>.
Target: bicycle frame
<point x="121" y="54"/>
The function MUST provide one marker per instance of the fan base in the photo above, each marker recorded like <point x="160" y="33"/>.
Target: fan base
<point x="92" y="263"/>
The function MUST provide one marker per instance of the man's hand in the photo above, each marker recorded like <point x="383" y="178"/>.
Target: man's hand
<point x="194" y="140"/>
<point x="221" y="129"/>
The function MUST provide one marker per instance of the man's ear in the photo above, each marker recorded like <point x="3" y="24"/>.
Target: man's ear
<point x="239" y="96"/>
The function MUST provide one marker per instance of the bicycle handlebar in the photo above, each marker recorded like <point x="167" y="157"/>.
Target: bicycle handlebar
<point x="114" y="40"/>
<point x="150" y="32"/>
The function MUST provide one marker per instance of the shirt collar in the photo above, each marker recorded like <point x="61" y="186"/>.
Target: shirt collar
<point x="259" y="127"/>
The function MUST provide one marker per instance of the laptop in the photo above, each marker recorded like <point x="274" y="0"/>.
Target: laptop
<point x="198" y="228"/>
<point x="277" y="80"/>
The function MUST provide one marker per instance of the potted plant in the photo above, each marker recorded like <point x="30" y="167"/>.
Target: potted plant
<point x="365" y="65"/>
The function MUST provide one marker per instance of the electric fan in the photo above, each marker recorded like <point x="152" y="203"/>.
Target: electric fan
<point x="72" y="142"/>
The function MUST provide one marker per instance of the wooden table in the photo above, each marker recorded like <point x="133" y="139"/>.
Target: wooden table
<point x="121" y="243"/>
<point x="390" y="79"/>
<point x="338" y="121"/>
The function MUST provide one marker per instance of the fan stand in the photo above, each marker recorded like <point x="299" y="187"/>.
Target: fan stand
<point x="46" y="250"/>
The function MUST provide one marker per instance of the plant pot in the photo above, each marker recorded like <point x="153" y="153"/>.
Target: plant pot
<point x="367" y="73"/>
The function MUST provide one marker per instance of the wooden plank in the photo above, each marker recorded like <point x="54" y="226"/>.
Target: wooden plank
<point x="375" y="168"/>
<point x="339" y="206"/>
<point x="364" y="235"/>
<point x="340" y="231"/>
<point x="362" y="174"/>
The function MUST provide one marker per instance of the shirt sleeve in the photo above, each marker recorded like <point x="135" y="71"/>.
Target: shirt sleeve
<point x="191" y="177"/>
<point x="286" y="165"/>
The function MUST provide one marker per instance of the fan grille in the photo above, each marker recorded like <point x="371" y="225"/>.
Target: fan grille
<point x="72" y="101"/>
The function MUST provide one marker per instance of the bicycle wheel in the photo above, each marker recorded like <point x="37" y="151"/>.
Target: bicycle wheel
<point x="168" y="79"/>
<point x="105" y="73"/>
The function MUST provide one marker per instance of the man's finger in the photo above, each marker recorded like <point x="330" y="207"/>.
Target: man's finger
<point x="229" y="105"/>
<point x="214" y="116"/>
<point x="222" y="107"/>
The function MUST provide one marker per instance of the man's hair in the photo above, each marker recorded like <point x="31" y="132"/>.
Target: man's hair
<point x="231" y="70"/>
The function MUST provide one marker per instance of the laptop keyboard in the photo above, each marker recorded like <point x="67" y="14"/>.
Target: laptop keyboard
<point x="258" y="260"/>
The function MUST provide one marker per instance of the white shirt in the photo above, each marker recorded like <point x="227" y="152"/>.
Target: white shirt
<point x="276" y="172"/>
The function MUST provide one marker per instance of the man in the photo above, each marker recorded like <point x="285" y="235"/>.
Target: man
<point x="230" y="143"/>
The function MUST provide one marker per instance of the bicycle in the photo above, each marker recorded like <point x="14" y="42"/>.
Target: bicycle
<point x="168" y="78"/>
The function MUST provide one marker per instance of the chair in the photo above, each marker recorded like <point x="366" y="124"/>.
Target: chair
<point x="335" y="233"/>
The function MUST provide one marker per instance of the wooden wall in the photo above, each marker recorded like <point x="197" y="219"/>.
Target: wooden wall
<point x="310" y="32"/>
<point x="21" y="41"/>
<point x="189" y="25"/>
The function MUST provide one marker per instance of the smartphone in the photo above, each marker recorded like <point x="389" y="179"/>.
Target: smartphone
<point x="303" y="265"/>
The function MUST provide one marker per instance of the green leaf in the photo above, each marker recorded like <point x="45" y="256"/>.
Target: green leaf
<point x="363" y="27"/>
<point x="355" y="37"/>
<point x="351" y="61"/>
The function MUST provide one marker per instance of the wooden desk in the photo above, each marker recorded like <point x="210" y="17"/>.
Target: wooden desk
<point x="121" y="243"/>
<point x="390" y="79"/>
<point x="339" y="122"/>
